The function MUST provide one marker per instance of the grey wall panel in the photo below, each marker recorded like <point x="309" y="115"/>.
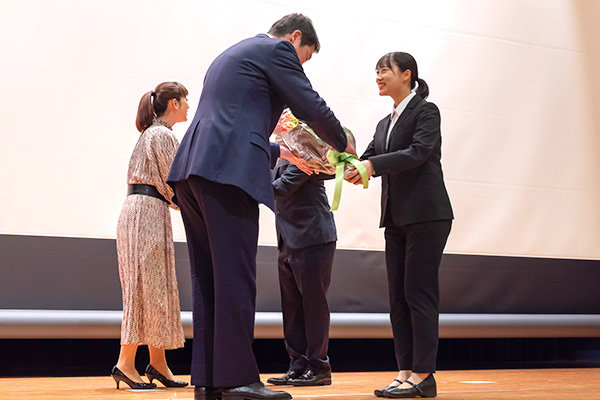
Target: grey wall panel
<point x="55" y="273"/>
<point x="39" y="272"/>
<point x="519" y="285"/>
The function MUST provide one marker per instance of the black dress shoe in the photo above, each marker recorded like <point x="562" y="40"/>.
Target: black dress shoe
<point x="427" y="388"/>
<point x="253" y="391"/>
<point x="284" y="380"/>
<point x="379" y="392"/>
<point x="119" y="376"/>
<point x="311" y="379"/>
<point x="152" y="374"/>
<point x="206" y="393"/>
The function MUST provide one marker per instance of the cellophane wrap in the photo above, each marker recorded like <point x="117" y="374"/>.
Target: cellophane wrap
<point x="303" y="142"/>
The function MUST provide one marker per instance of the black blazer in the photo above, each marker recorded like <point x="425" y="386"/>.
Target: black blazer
<point x="412" y="180"/>
<point x="302" y="215"/>
<point x="244" y="92"/>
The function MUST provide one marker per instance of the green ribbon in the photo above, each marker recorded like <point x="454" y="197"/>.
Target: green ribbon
<point x="340" y="159"/>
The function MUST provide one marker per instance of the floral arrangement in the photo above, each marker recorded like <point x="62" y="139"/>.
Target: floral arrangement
<point x="303" y="142"/>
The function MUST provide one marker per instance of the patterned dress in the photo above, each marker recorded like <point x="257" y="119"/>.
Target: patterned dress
<point x="151" y="313"/>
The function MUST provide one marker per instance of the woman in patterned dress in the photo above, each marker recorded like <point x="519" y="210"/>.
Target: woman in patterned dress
<point x="151" y="314"/>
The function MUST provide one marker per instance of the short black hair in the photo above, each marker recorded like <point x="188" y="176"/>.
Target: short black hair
<point x="292" y="22"/>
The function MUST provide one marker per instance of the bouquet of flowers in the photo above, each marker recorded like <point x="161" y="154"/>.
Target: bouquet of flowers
<point x="303" y="142"/>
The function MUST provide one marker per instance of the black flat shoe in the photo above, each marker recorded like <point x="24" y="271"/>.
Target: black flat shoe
<point x="152" y="374"/>
<point x="311" y="379"/>
<point x="284" y="380"/>
<point x="118" y="376"/>
<point x="379" y="392"/>
<point x="254" y="391"/>
<point x="427" y="388"/>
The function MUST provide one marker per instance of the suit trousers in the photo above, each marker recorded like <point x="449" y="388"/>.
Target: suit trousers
<point x="413" y="254"/>
<point x="304" y="277"/>
<point x="221" y="225"/>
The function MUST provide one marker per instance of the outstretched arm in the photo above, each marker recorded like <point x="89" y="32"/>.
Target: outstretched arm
<point x="289" y="80"/>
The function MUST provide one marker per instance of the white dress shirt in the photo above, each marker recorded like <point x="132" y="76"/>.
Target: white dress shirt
<point x="396" y="112"/>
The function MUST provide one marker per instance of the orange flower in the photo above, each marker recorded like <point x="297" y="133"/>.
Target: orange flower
<point x="287" y="122"/>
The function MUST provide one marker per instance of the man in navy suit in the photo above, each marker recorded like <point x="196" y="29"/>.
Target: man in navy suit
<point x="306" y="239"/>
<point x="220" y="174"/>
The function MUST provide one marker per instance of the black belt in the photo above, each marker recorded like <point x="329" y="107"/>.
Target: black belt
<point x="146" y="190"/>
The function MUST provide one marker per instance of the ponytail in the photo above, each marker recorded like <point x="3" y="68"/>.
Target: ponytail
<point x="154" y="103"/>
<point x="145" y="114"/>
<point x="422" y="88"/>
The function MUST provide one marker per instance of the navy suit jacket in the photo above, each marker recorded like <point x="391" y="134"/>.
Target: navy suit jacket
<point x="302" y="215"/>
<point x="412" y="180"/>
<point x="245" y="90"/>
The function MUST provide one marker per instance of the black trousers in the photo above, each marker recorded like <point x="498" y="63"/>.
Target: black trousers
<point x="221" y="225"/>
<point x="304" y="277"/>
<point x="413" y="254"/>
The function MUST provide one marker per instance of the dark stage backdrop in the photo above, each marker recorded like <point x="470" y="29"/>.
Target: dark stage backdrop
<point x="61" y="273"/>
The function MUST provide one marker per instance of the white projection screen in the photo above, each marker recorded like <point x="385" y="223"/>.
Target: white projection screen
<point x="517" y="82"/>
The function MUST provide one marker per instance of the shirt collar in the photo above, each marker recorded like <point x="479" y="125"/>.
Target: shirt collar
<point x="404" y="103"/>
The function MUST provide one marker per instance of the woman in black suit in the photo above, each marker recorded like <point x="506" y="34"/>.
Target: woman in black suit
<point x="417" y="216"/>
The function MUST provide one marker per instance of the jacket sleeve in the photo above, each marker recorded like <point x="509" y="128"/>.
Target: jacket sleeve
<point x="322" y="177"/>
<point x="370" y="151"/>
<point x="161" y="149"/>
<point x="287" y="77"/>
<point x="426" y="136"/>
<point x="275" y="151"/>
<point x="291" y="179"/>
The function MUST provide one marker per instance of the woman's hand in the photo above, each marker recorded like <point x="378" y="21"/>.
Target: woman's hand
<point x="353" y="176"/>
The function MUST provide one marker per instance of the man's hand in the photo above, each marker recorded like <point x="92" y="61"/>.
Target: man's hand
<point x="353" y="176"/>
<point x="350" y="149"/>
<point x="297" y="161"/>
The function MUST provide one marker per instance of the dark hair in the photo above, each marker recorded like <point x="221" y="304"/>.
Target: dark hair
<point x="405" y="61"/>
<point x="292" y="22"/>
<point x="154" y="103"/>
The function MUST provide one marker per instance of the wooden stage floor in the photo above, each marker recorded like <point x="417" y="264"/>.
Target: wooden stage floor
<point x="543" y="384"/>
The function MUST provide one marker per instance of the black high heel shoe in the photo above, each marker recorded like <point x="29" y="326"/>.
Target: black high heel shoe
<point x="152" y="374"/>
<point x="427" y="388"/>
<point x="119" y="376"/>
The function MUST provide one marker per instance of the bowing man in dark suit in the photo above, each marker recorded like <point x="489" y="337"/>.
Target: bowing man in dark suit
<point x="220" y="174"/>
<point x="417" y="216"/>
<point x="306" y="239"/>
